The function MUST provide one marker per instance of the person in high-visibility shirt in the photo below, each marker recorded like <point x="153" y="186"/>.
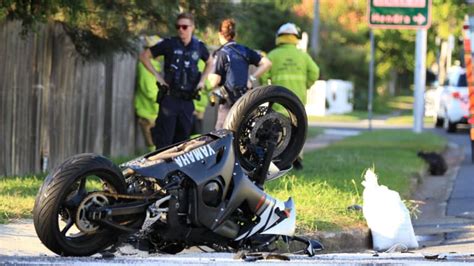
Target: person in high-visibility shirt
<point x="146" y="91"/>
<point x="291" y="68"/>
<point x="200" y="105"/>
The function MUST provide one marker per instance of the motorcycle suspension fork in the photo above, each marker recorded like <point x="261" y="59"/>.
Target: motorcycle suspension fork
<point x="261" y="173"/>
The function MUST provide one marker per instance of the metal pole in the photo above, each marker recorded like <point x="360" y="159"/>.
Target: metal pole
<point x="371" y="78"/>
<point x="420" y="80"/>
<point x="315" y="30"/>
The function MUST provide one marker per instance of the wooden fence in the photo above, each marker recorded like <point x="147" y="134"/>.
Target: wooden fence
<point x="53" y="104"/>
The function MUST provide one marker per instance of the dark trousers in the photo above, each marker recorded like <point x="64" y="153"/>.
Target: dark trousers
<point x="174" y="121"/>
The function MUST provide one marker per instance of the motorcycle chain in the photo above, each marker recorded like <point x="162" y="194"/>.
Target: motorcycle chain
<point x="126" y="196"/>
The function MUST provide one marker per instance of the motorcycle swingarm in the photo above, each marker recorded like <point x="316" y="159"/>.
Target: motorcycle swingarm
<point x="105" y="214"/>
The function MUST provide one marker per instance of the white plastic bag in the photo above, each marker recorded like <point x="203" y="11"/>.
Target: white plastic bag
<point x="386" y="215"/>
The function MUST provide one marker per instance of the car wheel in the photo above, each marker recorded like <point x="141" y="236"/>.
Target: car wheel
<point x="449" y="126"/>
<point x="439" y="122"/>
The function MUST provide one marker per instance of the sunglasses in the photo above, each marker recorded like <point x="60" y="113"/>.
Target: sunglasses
<point x="184" y="27"/>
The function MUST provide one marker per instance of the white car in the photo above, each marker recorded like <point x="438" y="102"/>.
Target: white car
<point x="453" y="102"/>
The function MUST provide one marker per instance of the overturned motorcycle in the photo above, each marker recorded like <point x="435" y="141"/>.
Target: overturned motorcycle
<point x="207" y="191"/>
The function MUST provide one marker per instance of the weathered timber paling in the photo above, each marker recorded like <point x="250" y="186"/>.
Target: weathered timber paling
<point x="53" y="103"/>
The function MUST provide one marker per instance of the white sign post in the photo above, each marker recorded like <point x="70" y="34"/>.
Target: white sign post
<point x="420" y="80"/>
<point x="406" y="14"/>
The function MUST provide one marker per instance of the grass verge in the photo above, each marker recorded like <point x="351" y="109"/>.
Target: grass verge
<point x="400" y="105"/>
<point x="17" y="196"/>
<point x="331" y="178"/>
<point x="328" y="184"/>
<point x="408" y="120"/>
<point x="314" y="132"/>
<point x="349" y="117"/>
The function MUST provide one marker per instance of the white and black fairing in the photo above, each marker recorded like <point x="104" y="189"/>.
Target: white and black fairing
<point x="218" y="188"/>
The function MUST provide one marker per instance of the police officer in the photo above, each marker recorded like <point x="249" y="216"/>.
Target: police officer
<point x="181" y="81"/>
<point x="291" y="68"/>
<point x="231" y="71"/>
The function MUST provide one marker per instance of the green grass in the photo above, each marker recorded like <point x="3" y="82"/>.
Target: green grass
<point x="408" y="120"/>
<point x="403" y="105"/>
<point x="328" y="184"/>
<point x="331" y="178"/>
<point x="17" y="196"/>
<point x="388" y="104"/>
<point x="314" y="132"/>
<point x="349" y="117"/>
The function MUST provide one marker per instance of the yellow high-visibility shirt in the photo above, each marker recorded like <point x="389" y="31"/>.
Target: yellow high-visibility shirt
<point x="292" y="69"/>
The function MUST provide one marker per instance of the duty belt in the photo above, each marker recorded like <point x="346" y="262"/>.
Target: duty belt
<point x="184" y="95"/>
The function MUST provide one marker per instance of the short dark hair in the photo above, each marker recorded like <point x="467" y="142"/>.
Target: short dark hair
<point x="227" y="29"/>
<point x="186" y="15"/>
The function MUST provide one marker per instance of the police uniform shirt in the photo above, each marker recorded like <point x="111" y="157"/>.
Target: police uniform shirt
<point x="174" y="50"/>
<point x="232" y="66"/>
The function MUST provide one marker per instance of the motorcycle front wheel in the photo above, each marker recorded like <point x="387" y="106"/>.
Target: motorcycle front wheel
<point x="60" y="213"/>
<point x="265" y="112"/>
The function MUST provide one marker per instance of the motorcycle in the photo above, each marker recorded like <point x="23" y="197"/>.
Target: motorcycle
<point x="207" y="191"/>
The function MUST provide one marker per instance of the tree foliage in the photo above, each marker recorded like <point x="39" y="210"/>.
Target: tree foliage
<point x="97" y="27"/>
<point x="101" y="27"/>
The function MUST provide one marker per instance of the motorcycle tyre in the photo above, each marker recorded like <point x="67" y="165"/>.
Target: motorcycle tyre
<point x="252" y="100"/>
<point x="53" y="192"/>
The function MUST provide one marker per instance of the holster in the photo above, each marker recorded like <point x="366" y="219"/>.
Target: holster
<point x="162" y="91"/>
<point x="235" y="93"/>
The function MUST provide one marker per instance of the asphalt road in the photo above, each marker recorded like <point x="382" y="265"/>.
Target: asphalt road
<point x="369" y="258"/>
<point x="461" y="202"/>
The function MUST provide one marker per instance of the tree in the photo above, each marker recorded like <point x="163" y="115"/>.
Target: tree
<point x="396" y="48"/>
<point x="101" y="27"/>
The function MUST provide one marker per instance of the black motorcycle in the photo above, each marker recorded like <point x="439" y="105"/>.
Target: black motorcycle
<point x="207" y="191"/>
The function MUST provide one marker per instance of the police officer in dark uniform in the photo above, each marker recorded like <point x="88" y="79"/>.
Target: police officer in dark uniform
<point x="231" y="71"/>
<point x="181" y="82"/>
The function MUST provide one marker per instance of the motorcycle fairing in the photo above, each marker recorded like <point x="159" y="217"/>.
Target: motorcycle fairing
<point x="278" y="218"/>
<point x="218" y="166"/>
<point x="221" y="165"/>
<point x="286" y="226"/>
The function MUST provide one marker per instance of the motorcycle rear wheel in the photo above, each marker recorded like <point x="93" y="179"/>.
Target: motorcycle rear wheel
<point x="59" y="213"/>
<point x="260" y="110"/>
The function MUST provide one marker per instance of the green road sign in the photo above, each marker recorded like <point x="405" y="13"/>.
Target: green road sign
<point x="399" y="14"/>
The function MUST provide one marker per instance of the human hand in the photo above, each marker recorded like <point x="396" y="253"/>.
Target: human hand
<point x="161" y="81"/>
<point x="249" y="84"/>
<point x="200" y="85"/>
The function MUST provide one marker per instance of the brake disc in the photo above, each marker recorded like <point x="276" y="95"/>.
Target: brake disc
<point x="261" y="127"/>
